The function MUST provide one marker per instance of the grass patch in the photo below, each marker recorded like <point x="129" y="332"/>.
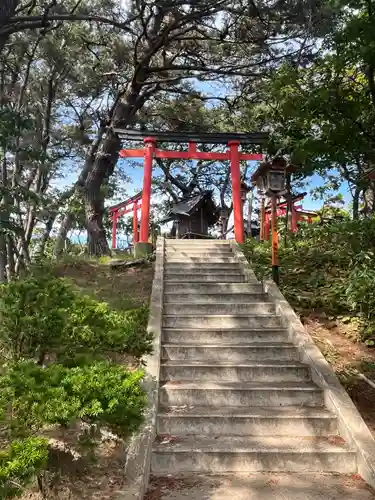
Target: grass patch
<point x="123" y="289"/>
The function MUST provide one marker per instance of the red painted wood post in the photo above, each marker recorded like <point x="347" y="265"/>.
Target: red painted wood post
<point x="294" y="219"/>
<point x="275" y="241"/>
<point x="135" y="223"/>
<point x="239" y="233"/>
<point x="150" y="145"/>
<point x="267" y="227"/>
<point x="114" y="230"/>
<point x="262" y="219"/>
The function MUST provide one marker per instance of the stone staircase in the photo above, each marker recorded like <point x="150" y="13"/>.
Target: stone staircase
<point x="233" y="395"/>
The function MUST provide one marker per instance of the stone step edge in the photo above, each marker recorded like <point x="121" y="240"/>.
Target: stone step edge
<point x="213" y="331"/>
<point x="240" y="386"/>
<point x="249" y="345"/>
<point x="235" y="364"/>
<point x="218" y="292"/>
<point x="248" y="304"/>
<point x="296" y="445"/>
<point x="233" y="316"/>
<point x="222" y="283"/>
<point x="270" y="412"/>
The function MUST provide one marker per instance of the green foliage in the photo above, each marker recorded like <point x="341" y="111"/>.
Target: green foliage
<point x="99" y="393"/>
<point x="45" y="317"/>
<point x="58" y="347"/>
<point x="34" y="313"/>
<point x="361" y="285"/>
<point x="327" y="267"/>
<point x="19" y="463"/>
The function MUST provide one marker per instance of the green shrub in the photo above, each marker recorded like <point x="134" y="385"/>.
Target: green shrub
<point x="33" y="315"/>
<point x="101" y="393"/>
<point x="20" y="463"/>
<point x="326" y="267"/>
<point x="44" y="317"/>
<point x="93" y="326"/>
<point x="55" y="343"/>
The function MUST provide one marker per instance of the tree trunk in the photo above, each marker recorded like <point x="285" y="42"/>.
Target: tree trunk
<point x="10" y="257"/>
<point x="4" y="218"/>
<point x="7" y="10"/>
<point x="3" y="258"/>
<point x="97" y="243"/>
<point x="103" y="167"/>
<point x="369" y="201"/>
<point x="356" y="194"/>
<point x="46" y="235"/>
<point x="63" y="233"/>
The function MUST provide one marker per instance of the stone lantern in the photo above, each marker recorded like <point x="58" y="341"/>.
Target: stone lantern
<point x="270" y="181"/>
<point x="270" y="177"/>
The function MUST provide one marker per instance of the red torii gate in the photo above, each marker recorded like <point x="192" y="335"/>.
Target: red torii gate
<point x="125" y="207"/>
<point x="297" y="214"/>
<point x="150" y="151"/>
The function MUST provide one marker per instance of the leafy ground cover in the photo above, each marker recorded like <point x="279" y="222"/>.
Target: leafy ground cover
<point x="327" y="273"/>
<point x="71" y="338"/>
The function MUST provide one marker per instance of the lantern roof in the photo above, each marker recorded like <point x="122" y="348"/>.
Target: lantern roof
<point x="277" y="163"/>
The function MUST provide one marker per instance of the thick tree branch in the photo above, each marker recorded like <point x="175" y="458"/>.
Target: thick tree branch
<point x="21" y="23"/>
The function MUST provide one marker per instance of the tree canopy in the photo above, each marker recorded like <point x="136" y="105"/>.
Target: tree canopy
<point x="71" y="72"/>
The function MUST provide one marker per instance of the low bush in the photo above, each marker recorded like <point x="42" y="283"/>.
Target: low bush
<point x="22" y="460"/>
<point x="100" y="393"/>
<point x="45" y="318"/>
<point x="328" y="268"/>
<point x="57" y="369"/>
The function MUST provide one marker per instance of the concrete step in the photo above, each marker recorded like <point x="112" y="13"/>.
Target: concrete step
<point x="212" y="298"/>
<point x="197" y="243"/>
<point x="221" y="307"/>
<point x="206" y="267"/>
<point x="212" y="288"/>
<point x="228" y="421"/>
<point x="226" y="371"/>
<point x="205" y="278"/>
<point x="230" y="352"/>
<point x="229" y="321"/>
<point x="214" y="394"/>
<point x="193" y="257"/>
<point x="206" y="259"/>
<point x="222" y="454"/>
<point x="198" y="273"/>
<point x="239" y="336"/>
<point x="199" y="252"/>
<point x="259" y="486"/>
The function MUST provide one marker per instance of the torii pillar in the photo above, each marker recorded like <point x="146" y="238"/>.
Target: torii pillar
<point x="143" y="247"/>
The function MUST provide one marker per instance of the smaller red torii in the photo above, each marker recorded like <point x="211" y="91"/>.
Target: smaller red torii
<point x="297" y="213"/>
<point x="133" y="204"/>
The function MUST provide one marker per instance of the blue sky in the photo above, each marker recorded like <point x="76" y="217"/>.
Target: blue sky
<point x="309" y="202"/>
<point x="136" y="174"/>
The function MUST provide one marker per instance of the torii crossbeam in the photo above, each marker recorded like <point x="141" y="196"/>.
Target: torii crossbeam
<point x="150" y="151"/>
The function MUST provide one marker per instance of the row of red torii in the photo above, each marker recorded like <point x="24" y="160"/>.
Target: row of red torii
<point x="141" y="201"/>
<point x="298" y="214"/>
